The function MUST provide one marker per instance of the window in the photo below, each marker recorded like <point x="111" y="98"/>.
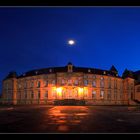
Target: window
<point x="50" y="70"/>
<point x="32" y="84"/>
<point x="53" y="82"/>
<point x="46" y="94"/>
<point x="93" y="94"/>
<point x="76" y="82"/>
<point x="102" y="94"/>
<point x="115" y="83"/>
<point x="104" y="72"/>
<point x="69" y="82"/>
<point x="85" y="82"/>
<point x="19" y="95"/>
<point x="25" y="94"/>
<point x="19" y="86"/>
<point x="53" y="93"/>
<point x="115" y="94"/>
<point x="85" y="76"/>
<point x="109" y="82"/>
<point x="94" y="83"/>
<point x="38" y="84"/>
<point x="63" y="82"/>
<point x="25" y="84"/>
<point x="109" y="95"/>
<point x="38" y="94"/>
<point x="32" y="95"/>
<point x="85" y="92"/>
<point x="46" y="83"/>
<point x="63" y="93"/>
<point x="102" y="82"/>
<point x="94" y="76"/>
<point x="89" y="70"/>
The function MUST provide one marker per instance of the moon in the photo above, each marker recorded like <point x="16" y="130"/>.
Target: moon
<point x="71" y="42"/>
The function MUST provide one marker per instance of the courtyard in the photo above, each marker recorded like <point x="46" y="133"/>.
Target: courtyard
<point x="69" y="119"/>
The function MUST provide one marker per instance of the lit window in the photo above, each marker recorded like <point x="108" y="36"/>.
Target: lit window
<point x="50" y="70"/>
<point x="69" y="81"/>
<point x="85" y="92"/>
<point x="102" y="78"/>
<point x="53" y="93"/>
<point x="89" y="70"/>
<point x="53" y="82"/>
<point x="102" y="94"/>
<point x="104" y="72"/>
<point x="63" y="82"/>
<point x="93" y="94"/>
<point x="85" y="82"/>
<point x="102" y="84"/>
<point x="94" y="83"/>
<point x="76" y="82"/>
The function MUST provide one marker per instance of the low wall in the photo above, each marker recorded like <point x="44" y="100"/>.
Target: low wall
<point x="51" y="102"/>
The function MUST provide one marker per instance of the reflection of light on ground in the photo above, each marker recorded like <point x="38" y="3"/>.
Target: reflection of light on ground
<point x="9" y="108"/>
<point x="65" y="116"/>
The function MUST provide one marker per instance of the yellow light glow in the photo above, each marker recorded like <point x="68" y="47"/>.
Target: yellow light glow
<point x="80" y="90"/>
<point x="59" y="90"/>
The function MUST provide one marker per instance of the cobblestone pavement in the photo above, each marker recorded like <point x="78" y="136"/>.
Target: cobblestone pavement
<point x="69" y="119"/>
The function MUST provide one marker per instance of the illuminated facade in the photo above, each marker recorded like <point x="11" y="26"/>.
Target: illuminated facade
<point x="94" y="86"/>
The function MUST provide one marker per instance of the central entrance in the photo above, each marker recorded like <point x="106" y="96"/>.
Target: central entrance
<point x="69" y="92"/>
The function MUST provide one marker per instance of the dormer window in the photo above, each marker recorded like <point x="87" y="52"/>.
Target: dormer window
<point x="89" y="70"/>
<point x="50" y="70"/>
<point x="70" y="67"/>
<point x="36" y="72"/>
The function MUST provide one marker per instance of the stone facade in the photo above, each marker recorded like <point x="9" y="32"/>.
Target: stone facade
<point x="96" y="87"/>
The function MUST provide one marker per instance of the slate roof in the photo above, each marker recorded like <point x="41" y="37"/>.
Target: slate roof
<point x="51" y="70"/>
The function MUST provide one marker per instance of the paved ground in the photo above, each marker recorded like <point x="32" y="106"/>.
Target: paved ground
<point x="69" y="119"/>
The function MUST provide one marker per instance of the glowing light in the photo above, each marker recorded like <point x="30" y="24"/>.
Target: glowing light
<point x="80" y="90"/>
<point x="71" y="42"/>
<point x="59" y="90"/>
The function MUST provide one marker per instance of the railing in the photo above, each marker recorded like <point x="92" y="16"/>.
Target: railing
<point x="51" y="102"/>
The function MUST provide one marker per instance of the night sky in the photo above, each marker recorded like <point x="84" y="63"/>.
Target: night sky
<point x="36" y="37"/>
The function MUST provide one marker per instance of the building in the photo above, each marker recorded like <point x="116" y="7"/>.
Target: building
<point x="94" y="86"/>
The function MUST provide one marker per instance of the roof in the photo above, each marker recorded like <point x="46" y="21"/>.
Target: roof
<point x="64" y="69"/>
<point x="113" y="68"/>
<point x="52" y="70"/>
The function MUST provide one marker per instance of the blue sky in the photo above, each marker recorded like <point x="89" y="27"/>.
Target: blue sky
<point x="36" y="37"/>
